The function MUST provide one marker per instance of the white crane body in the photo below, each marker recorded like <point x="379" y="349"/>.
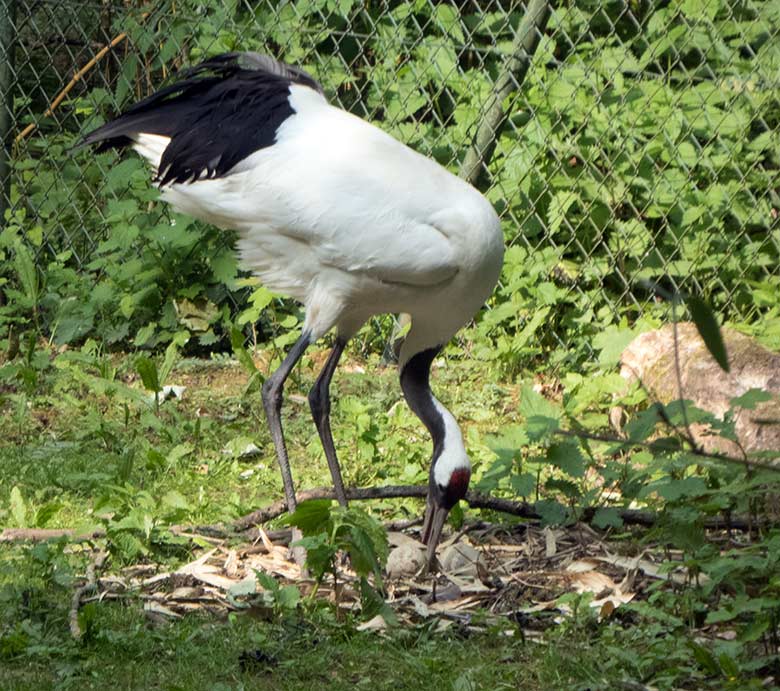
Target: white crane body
<point x="331" y="211"/>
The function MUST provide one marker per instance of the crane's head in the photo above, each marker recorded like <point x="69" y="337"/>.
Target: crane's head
<point x="448" y="482"/>
<point x="450" y="472"/>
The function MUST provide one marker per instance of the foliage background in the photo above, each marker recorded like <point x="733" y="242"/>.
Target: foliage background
<point x="641" y="152"/>
<point x="643" y="147"/>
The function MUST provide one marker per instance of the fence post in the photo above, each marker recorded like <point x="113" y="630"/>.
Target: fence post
<point x="510" y="79"/>
<point x="7" y="81"/>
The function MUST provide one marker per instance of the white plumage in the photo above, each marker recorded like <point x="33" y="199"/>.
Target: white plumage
<point x="341" y="216"/>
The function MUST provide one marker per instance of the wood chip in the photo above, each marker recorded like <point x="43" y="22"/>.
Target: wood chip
<point x="550" y="544"/>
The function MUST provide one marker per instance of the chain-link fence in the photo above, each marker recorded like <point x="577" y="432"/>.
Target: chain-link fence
<point x="625" y="144"/>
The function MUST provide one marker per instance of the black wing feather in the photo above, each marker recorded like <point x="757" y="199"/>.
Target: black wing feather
<point x="220" y="112"/>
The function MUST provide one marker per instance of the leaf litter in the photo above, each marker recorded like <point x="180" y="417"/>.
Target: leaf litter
<point x="521" y="573"/>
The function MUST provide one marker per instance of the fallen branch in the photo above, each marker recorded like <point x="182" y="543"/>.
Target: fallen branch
<point x="476" y="500"/>
<point x="353" y="494"/>
<point x="41" y="534"/>
<point x="88" y="587"/>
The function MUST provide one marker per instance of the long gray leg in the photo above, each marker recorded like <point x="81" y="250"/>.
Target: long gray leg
<point x="272" y="402"/>
<point x="319" y="402"/>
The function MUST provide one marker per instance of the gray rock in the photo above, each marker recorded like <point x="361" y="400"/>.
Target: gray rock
<point x="650" y="358"/>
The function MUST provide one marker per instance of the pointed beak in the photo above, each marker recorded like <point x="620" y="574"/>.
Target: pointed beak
<point x="435" y="517"/>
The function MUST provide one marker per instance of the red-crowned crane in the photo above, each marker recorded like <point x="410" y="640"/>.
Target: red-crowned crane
<point x="337" y="214"/>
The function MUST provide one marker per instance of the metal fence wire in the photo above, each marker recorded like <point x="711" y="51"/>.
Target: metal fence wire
<point x="624" y="144"/>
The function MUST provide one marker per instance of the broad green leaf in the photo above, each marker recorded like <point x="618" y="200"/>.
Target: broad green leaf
<point x="267" y="582"/>
<point x="448" y="19"/>
<point x="750" y="399"/>
<point x="175" y="500"/>
<point x="26" y="272"/>
<point x="705" y="658"/>
<point x="607" y="517"/>
<point x="729" y="666"/>
<point x="493" y="476"/>
<point x="551" y="512"/>
<point x="674" y="489"/>
<point x="707" y="326"/>
<point x="540" y="428"/>
<point x="288" y="597"/>
<point x="542" y="416"/>
<point x="241" y="353"/>
<point x="507" y="446"/>
<point x="373" y="603"/>
<point x="568" y="457"/>
<point x="145" y="334"/>
<point x="171" y="353"/>
<point x="559" y="207"/>
<point x="674" y="411"/>
<point x="319" y="553"/>
<point x="699" y="9"/>
<point x="567" y="488"/>
<point x="147" y="369"/>
<point x="362" y="553"/>
<point x="178" y="452"/>
<point x="311" y="516"/>
<point x="46" y="512"/>
<point x="368" y="525"/>
<point x="754" y="630"/>
<point x="225" y="267"/>
<point x="18" y="507"/>
<point x="242" y="588"/>
<point x="643" y="425"/>
<point x="611" y="343"/>
<point x="524" y="484"/>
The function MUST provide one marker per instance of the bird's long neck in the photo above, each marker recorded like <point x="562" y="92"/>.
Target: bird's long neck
<point x="450" y="460"/>
<point x="415" y="383"/>
<point x="449" y="453"/>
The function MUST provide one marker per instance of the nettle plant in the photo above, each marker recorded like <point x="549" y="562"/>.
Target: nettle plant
<point x="565" y="451"/>
<point x="328" y="530"/>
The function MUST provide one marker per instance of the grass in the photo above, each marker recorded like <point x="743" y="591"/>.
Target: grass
<point x="126" y="652"/>
<point x="80" y="449"/>
<point x="72" y="438"/>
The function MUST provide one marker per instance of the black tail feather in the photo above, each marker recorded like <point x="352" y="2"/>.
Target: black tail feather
<point x="222" y="110"/>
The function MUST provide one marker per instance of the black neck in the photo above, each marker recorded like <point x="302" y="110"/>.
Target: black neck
<point x="415" y="384"/>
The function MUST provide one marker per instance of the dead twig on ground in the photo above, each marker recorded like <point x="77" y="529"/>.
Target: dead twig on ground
<point x="40" y="534"/>
<point x="476" y="500"/>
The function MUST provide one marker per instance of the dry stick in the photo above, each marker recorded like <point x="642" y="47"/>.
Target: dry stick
<point x="88" y="587"/>
<point x="76" y="77"/>
<point x="40" y="534"/>
<point x="475" y="500"/>
<point x="353" y="493"/>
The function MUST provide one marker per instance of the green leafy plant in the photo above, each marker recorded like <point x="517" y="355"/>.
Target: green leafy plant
<point x="283" y="599"/>
<point x="154" y="377"/>
<point x="329" y="529"/>
<point x="137" y="523"/>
